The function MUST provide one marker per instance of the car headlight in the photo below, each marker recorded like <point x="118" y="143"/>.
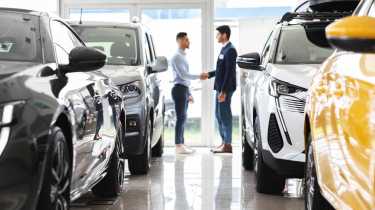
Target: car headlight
<point x="131" y="90"/>
<point x="277" y="88"/>
<point x="6" y="120"/>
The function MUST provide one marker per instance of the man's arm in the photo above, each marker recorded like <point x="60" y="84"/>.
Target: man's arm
<point x="181" y="71"/>
<point x="230" y="66"/>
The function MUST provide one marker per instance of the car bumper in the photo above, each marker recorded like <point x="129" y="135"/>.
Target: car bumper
<point x="135" y="129"/>
<point x="285" y="168"/>
<point x="282" y="135"/>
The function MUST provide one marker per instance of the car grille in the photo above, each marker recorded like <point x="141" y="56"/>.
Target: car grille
<point x="275" y="139"/>
<point x="290" y="104"/>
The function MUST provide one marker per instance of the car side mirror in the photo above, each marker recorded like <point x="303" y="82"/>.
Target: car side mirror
<point x="249" y="61"/>
<point x="161" y="65"/>
<point x="84" y="59"/>
<point x="356" y="34"/>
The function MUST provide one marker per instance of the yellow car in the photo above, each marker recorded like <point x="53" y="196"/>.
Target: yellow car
<point x="340" y="118"/>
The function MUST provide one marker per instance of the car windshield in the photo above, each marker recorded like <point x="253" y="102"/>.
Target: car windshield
<point x="19" y="37"/>
<point x="295" y="48"/>
<point x="118" y="43"/>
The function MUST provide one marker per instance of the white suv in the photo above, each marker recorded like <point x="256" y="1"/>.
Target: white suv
<point x="273" y="97"/>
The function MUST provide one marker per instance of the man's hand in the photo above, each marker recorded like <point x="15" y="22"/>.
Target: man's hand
<point x="204" y="76"/>
<point x="191" y="99"/>
<point x="222" y="96"/>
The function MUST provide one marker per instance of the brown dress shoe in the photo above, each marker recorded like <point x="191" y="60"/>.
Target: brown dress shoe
<point x="227" y="148"/>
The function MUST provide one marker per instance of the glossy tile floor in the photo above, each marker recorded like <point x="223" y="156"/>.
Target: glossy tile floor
<point x="202" y="181"/>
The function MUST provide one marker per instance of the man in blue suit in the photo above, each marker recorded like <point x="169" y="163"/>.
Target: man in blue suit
<point x="225" y="85"/>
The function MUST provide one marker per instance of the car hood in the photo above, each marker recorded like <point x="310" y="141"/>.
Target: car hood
<point x="299" y="75"/>
<point x="122" y="74"/>
<point x="8" y="68"/>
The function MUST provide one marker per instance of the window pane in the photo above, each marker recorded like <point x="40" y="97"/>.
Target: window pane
<point x="290" y="52"/>
<point x="19" y="37"/>
<point x="174" y="21"/>
<point x="116" y="14"/>
<point x="119" y="44"/>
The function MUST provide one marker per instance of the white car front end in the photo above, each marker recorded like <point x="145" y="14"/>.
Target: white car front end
<point x="280" y="103"/>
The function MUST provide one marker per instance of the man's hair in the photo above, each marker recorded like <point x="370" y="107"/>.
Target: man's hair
<point x="181" y="35"/>
<point x="224" y="30"/>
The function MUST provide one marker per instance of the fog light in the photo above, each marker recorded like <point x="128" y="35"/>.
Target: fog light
<point x="132" y="123"/>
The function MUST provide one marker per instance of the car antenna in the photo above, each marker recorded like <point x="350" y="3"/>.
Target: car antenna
<point x="80" y="17"/>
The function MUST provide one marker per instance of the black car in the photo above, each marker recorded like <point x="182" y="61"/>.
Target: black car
<point x="133" y="66"/>
<point x="61" y="126"/>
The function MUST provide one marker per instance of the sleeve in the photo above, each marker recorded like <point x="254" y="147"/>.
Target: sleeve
<point x="230" y="69"/>
<point x="211" y="74"/>
<point x="180" y="69"/>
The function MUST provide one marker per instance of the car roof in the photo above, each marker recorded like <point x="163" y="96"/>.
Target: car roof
<point x="19" y="10"/>
<point x="103" y="23"/>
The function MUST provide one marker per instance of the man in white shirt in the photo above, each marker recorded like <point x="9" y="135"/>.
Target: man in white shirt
<point x="180" y="92"/>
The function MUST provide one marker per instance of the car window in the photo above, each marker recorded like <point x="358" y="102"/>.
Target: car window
<point x="267" y="50"/>
<point x="295" y="48"/>
<point x="120" y="44"/>
<point x="19" y="37"/>
<point x="64" y="41"/>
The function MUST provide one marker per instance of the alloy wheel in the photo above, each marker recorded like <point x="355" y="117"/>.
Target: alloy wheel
<point x="60" y="177"/>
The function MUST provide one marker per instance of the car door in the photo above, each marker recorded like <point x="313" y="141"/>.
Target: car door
<point x="155" y="91"/>
<point x="159" y="97"/>
<point x="85" y="116"/>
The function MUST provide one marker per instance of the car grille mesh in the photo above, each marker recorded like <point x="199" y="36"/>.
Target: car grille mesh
<point x="292" y="104"/>
<point x="275" y="139"/>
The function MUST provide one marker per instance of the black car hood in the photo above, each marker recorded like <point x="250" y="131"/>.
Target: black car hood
<point x="8" y="68"/>
<point x="333" y="5"/>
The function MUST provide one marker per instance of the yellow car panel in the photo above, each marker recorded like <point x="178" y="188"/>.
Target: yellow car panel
<point x="342" y="121"/>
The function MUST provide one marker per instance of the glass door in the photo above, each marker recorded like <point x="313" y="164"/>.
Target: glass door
<point x="164" y="25"/>
<point x="100" y="14"/>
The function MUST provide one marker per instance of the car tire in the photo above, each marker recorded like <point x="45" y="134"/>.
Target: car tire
<point x="314" y="200"/>
<point x="57" y="174"/>
<point x="267" y="180"/>
<point x="112" y="184"/>
<point x="158" y="149"/>
<point x="140" y="164"/>
<point x="247" y="151"/>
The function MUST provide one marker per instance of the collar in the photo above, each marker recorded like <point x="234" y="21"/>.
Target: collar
<point x="226" y="44"/>
<point x="181" y="51"/>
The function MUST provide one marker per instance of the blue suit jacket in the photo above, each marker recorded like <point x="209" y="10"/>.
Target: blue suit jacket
<point x="225" y="74"/>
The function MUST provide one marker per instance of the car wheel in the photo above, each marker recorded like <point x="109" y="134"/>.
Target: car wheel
<point x="140" y="164"/>
<point x="267" y="181"/>
<point x="247" y="151"/>
<point x="313" y="197"/>
<point x="55" y="193"/>
<point x="112" y="184"/>
<point x="158" y="149"/>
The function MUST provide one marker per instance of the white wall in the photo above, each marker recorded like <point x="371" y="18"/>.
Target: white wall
<point x="40" y="5"/>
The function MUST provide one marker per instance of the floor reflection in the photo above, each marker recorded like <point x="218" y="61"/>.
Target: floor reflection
<point x="197" y="182"/>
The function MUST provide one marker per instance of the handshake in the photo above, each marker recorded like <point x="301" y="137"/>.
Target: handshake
<point x="204" y="76"/>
